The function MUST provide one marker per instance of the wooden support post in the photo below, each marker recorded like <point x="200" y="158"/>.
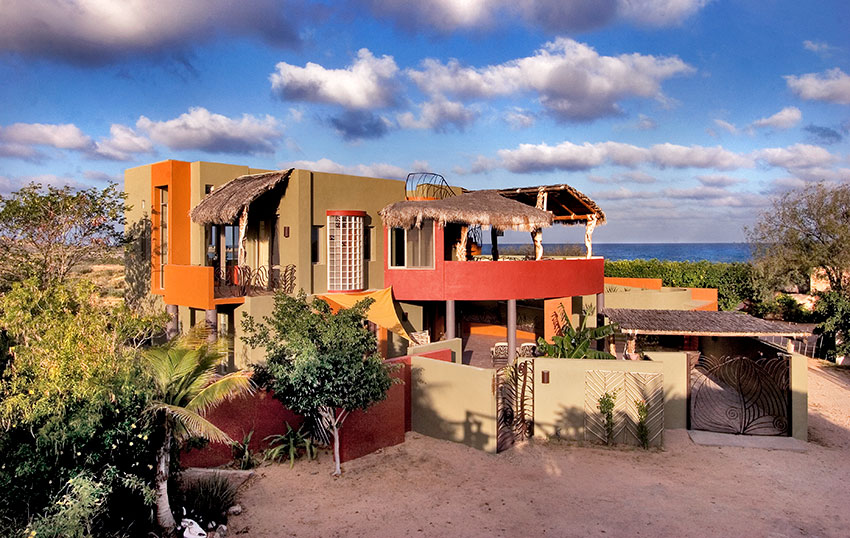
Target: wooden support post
<point x="588" y="235"/>
<point x="537" y="237"/>
<point x="461" y="246"/>
<point x="511" y="331"/>
<point x="450" y="319"/>
<point x="243" y="230"/>
<point x="494" y="243"/>
<point x="211" y="322"/>
<point x="172" y="326"/>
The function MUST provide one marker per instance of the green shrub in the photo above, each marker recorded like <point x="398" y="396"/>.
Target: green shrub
<point x="605" y="404"/>
<point x="243" y="456"/>
<point x="74" y="511"/>
<point x="642" y="428"/>
<point x="207" y="499"/>
<point x="292" y="444"/>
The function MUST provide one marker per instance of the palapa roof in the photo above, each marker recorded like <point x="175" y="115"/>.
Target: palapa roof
<point x="698" y="323"/>
<point x="485" y="208"/>
<point x="568" y="205"/>
<point x="223" y="205"/>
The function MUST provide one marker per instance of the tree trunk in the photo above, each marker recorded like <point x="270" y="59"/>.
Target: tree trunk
<point x="337" y="467"/>
<point x="163" y="508"/>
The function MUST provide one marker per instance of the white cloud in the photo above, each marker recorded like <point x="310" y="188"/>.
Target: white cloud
<point x="202" y="130"/>
<point x="123" y="143"/>
<point x="719" y="180"/>
<point x="519" y="118"/>
<point x="439" y="114"/>
<point x="564" y="156"/>
<point x="726" y="126"/>
<point x="368" y="83"/>
<point x="65" y="136"/>
<point x="796" y="156"/>
<point x="820" y="47"/>
<point x="100" y="31"/>
<point x="572" y="81"/>
<point x="645" y="123"/>
<point x="784" y="119"/>
<point x="675" y="156"/>
<point x="369" y="170"/>
<point x="443" y="16"/>
<point x="832" y="86"/>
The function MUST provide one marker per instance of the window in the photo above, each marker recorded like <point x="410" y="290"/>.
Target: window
<point x="163" y="234"/>
<point x="211" y="242"/>
<point x="367" y="242"/>
<point x="345" y="250"/>
<point x="231" y="245"/>
<point x="413" y="247"/>
<point x="315" y="234"/>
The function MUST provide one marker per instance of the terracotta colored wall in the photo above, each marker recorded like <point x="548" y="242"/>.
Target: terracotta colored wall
<point x="645" y="283"/>
<point x="261" y="413"/>
<point x="498" y="331"/>
<point x="175" y="175"/>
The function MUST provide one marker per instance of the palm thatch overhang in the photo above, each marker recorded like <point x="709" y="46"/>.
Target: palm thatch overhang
<point x="699" y="323"/>
<point x="226" y="203"/>
<point x="567" y="205"/>
<point x="487" y="208"/>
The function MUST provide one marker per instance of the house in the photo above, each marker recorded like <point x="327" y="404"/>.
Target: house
<point x="213" y="241"/>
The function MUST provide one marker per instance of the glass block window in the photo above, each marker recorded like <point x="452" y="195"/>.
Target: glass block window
<point x="345" y="250"/>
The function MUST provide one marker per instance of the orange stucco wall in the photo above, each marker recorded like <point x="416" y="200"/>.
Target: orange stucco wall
<point x="705" y="294"/>
<point x="175" y="175"/>
<point x="644" y="283"/>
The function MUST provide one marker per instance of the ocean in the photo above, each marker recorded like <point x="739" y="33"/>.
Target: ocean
<point x="678" y="252"/>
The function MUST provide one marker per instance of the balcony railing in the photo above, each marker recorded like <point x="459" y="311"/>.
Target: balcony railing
<point x="239" y="281"/>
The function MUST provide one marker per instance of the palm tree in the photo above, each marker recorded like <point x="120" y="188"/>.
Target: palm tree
<point x="186" y="388"/>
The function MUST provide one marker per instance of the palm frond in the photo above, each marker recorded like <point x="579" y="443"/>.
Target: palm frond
<point x="192" y="423"/>
<point x="226" y="388"/>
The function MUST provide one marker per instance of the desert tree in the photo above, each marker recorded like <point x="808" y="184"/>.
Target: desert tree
<point x="320" y="363"/>
<point x="46" y="232"/>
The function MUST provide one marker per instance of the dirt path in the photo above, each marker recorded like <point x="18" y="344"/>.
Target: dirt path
<point x="427" y="487"/>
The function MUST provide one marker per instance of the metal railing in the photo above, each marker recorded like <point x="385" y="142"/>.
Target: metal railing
<point x="242" y="280"/>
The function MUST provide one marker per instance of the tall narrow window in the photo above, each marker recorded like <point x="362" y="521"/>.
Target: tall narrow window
<point x="345" y="250"/>
<point x="211" y="237"/>
<point x="367" y="242"/>
<point x="397" y="244"/>
<point x="163" y="234"/>
<point x="413" y="247"/>
<point x="315" y="234"/>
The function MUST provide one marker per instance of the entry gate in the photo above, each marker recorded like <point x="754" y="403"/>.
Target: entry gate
<point x="740" y="395"/>
<point x="514" y="403"/>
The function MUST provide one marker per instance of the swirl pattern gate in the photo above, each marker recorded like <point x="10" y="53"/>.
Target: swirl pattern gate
<point x="740" y="395"/>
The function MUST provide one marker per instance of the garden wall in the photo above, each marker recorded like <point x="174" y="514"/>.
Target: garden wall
<point x="453" y="402"/>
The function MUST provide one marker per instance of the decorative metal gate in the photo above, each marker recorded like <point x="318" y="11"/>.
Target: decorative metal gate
<point x="740" y="395"/>
<point x="514" y="403"/>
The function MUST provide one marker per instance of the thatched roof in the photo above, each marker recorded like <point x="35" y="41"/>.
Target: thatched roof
<point x="568" y="205"/>
<point x="223" y="205"/>
<point x="483" y="208"/>
<point x="699" y="323"/>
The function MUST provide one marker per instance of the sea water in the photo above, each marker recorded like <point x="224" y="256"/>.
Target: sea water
<point x="678" y="252"/>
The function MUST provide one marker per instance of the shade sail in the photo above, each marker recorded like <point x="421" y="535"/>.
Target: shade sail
<point x="382" y="312"/>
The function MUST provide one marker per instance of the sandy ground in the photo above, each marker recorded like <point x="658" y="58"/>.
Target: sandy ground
<point x="427" y="487"/>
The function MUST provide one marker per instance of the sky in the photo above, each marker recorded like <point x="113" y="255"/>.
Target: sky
<point x="682" y="119"/>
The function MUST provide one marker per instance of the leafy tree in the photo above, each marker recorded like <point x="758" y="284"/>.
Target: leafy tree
<point x="44" y="233"/>
<point x="72" y="395"/>
<point x="318" y="362"/>
<point x="574" y="343"/>
<point x="186" y="387"/>
<point x="804" y="230"/>
<point x="834" y="309"/>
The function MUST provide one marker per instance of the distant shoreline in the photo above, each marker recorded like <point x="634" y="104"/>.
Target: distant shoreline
<point x="712" y="252"/>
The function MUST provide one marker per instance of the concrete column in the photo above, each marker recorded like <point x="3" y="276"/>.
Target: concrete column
<point x="172" y="326"/>
<point x="494" y="242"/>
<point x="211" y="322"/>
<point x="511" y="330"/>
<point x="450" y="319"/>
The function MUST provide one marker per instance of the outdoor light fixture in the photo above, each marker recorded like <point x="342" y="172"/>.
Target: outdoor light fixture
<point x="286" y="231"/>
<point x="545" y="376"/>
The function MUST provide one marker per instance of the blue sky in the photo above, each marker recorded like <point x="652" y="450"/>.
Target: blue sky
<point x="681" y="118"/>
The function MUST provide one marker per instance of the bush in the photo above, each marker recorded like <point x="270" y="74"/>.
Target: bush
<point x="292" y="444"/>
<point x="207" y="499"/>
<point x="735" y="282"/>
<point x="605" y="404"/>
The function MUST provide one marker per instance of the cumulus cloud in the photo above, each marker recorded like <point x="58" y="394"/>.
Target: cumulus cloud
<point x="726" y="126"/>
<point x="64" y="136"/>
<point x="370" y="170"/>
<point x="719" y="180"/>
<point x="359" y="124"/>
<point x="100" y="31"/>
<point x="784" y="119"/>
<point x="796" y="156"/>
<point x="440" y="115"/>
<point x="367" y="83"/>
<point x="823" y="135"/>
<point x="202" y="130"/>
<point x="832" y="86"/>
<point x="122" y="144"/>
<point x="443" y="16"/>
<point x="573" y="81"/>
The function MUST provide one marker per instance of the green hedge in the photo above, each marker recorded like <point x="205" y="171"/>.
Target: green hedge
<point x="734" y="281"/>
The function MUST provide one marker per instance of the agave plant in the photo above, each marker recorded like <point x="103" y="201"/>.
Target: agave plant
<point x="574" y="343"/>
<point x="187" y="387"/>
